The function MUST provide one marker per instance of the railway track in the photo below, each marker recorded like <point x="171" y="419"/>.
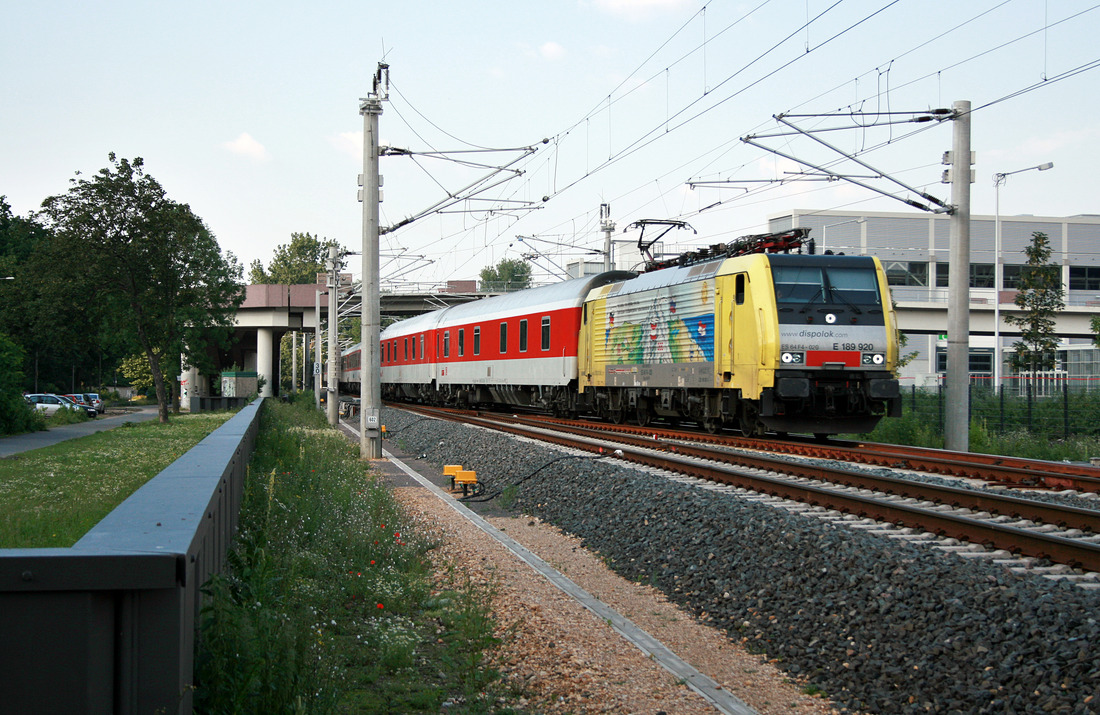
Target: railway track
<point x="992" y="469"/>
<point x="1021" y="527"/>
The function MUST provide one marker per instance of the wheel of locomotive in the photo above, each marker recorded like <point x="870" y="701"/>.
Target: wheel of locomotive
<point x="617" y="415"/>
<point x="711" y="425"/>
<point x="643" y="413"/>
<point x="747" y="422"/>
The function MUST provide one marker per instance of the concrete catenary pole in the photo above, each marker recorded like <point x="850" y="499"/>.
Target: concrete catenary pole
<point x="608" y="227"/>
<point x="333" y="395"/>
<point x="957" y="417"/>
<point x="294" y="362"/>
<point x="370" y="435"/>
<point x="317" y="353"/>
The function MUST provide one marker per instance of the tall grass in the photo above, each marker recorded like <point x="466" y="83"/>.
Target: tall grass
<point x="329" y="604"/>
<point x="53" y="495"/>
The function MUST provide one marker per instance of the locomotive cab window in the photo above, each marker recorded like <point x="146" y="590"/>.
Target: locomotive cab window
<point x="739" y="289"/>
<point x="546" y="332"/>
<point x="809" y="285"/>
<point x="523" y="336"/>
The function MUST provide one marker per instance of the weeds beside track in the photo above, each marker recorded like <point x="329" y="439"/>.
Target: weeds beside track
<point x="329" y="604"/>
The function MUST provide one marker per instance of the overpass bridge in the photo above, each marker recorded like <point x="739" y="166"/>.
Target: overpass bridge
<point x="271" y="311"/>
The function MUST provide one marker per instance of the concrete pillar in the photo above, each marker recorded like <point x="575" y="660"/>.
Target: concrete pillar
<point x="294" y="363"/>
<point x="265" y="340"/>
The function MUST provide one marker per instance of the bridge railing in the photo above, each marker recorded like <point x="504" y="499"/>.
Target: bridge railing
<point x="109" y="624"/>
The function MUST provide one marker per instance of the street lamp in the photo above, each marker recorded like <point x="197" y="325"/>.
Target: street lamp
<point x="826" y="227"/>
<point x="998" y="268"/>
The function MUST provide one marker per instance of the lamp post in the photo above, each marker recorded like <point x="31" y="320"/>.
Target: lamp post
<point x="824" y="229"/>
<point x="998" y="268"/>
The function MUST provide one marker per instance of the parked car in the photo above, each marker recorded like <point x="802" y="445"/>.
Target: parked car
<point x="50" y="404"/>
<point x="92" y="399"/>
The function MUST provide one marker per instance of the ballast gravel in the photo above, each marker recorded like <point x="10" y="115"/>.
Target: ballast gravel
<point x="878" y="625"/>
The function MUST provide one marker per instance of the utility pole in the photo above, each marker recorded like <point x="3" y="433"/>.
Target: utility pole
<point x="957" y="422"/>
<point x="370" y="398"/>
<point x="608" y="227"/>
<point x="333" y="397"/>
<point x="317" y="354"/>
<point x="294" y="362"/>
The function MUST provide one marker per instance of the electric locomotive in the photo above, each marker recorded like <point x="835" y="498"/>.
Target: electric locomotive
<point x="751" y="336"/>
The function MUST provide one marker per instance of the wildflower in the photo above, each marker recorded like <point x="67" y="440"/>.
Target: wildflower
<point x="380" y="605"/>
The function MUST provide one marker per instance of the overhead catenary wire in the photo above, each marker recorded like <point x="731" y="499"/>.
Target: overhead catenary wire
<point x="495" y="234"/>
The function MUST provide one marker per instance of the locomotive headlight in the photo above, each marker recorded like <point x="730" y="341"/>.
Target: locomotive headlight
<point x="791" y="358"/>
<point x="873" y="358"/>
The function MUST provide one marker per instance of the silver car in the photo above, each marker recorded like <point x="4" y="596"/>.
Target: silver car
<point x="50" y="404"/>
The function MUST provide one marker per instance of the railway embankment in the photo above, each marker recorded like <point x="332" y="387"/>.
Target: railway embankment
<point x="877" y="624"/>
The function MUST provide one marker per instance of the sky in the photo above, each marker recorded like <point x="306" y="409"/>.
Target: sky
<point x="249" y="113"/>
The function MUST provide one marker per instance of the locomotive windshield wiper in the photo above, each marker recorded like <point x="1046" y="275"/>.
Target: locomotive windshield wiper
<point x="840" y="295"/>
<point x="811" y="300"/>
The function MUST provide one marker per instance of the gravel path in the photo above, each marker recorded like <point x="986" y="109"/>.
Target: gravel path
<point x="876" y="624"/>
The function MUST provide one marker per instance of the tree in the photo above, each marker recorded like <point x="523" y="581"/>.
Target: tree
<point x="294" y="263"/>
<point x="45" y="307"/>
<point x="160" y="272"/>
<point x="15" y="415"/>
<point x="1040" y="298"/>
<point x="135" y="368"/>
<point x="508" y="275"/>
<point x="1094" y="324"/>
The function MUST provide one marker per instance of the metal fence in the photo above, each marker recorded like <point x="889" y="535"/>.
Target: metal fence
<point x="1058" y="407"/>
<point x="109" y="625"/>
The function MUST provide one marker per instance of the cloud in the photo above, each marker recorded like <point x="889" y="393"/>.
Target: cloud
<point x="245" y="145"/>
<point x="551" y="51"/>
<point x="350" y="143"/>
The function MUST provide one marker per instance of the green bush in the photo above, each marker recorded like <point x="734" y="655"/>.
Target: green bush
<point x="15" y="415"/>
<point x="66" y="416"/>
<point x="1058" y="427"/>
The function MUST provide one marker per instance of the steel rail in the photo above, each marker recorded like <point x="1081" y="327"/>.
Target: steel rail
<point x="987" y="467"/>
<point x="1058" y="549"/>
<point x="1060" y="515"/>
